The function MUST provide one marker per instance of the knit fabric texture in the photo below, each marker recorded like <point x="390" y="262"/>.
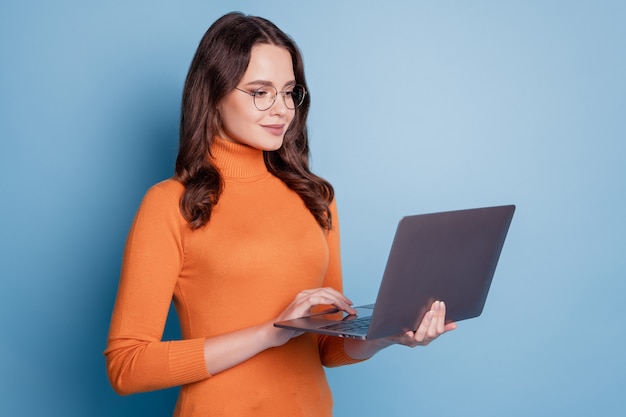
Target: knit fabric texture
<point x="260" y="248"/>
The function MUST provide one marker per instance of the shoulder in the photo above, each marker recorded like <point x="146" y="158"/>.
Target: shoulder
<point x="164" y="191"/>
<point x="163" y="197"/>
<point x="169" y="186"/>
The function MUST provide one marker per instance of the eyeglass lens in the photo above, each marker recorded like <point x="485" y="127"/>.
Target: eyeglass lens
<point x="293" y="97"/>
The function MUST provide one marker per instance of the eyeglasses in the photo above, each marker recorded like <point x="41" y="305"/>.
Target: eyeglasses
<point x="265" y="96"/>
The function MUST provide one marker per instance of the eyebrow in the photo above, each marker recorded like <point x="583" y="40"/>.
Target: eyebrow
<point x="269" y="83"/>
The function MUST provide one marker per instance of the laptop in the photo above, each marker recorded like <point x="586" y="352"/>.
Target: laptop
<point x="448" y="256"/>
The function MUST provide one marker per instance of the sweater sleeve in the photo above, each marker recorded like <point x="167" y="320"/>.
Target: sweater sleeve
<point x="331" y="348"/>
<point x="137" y="359"/>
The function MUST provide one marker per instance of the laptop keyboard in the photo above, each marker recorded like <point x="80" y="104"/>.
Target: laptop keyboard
<point x="359" y="324"/>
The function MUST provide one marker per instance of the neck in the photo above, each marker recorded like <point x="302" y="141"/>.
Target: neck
<point x="235" y="160"/>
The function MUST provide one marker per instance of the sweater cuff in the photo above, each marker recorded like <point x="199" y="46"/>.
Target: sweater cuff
<point x="186" y="359"/>
<point x="334" y="353"/>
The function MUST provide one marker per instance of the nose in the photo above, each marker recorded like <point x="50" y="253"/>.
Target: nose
<point x="279" y="107"/>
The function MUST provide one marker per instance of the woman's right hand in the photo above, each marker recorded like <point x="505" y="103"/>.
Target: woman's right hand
<point x="302" y="306"/>
<point x="230" y="349"/>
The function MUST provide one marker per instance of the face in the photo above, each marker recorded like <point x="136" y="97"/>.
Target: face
<point x="241" y="121"/>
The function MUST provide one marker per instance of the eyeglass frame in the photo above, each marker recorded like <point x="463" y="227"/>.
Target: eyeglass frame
<point x="253" y="94"/>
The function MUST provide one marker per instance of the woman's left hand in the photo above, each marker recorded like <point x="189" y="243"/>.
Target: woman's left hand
<point x="432" y="326"/>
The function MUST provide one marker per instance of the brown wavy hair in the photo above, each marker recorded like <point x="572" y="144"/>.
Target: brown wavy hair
<point x="218" y="66"/>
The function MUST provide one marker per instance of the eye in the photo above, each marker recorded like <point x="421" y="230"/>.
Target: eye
<point x="297" y="93"/>
<point x="263" y="92"/>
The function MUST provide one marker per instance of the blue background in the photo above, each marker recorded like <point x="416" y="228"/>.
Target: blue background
<point x="417" y="106"/>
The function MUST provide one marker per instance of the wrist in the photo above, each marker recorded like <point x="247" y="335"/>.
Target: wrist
<point x="272" y="336"/>
<point x="364" y="349"/>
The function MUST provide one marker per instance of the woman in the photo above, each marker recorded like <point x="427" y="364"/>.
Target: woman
<point x="244" y="235"/>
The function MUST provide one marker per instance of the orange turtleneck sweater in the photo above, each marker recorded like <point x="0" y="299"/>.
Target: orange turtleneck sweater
<point x="261" y="247"/>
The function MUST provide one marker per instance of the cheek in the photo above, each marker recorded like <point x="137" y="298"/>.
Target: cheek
<point x="234" y="116"/>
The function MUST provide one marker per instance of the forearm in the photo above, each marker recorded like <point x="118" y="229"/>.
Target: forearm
<point x="136" y="365"/>
<point x="230" y="349"/>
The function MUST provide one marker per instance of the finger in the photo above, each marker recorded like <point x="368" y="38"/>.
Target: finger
<point x="339" y="300"/>
<point x="331" y="293"/>
<point x="323" y="296"/>
<point x="432" y="325"/>
<point x="338" y="295"/>
<point x="330" y="290"/>
<point x="450" y="326"/>
<point x="422" y="329"/>
<point x="444" y="327"/>
<point x="439" y="318"/>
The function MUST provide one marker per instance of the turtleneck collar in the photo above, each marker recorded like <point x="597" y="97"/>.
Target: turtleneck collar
<point x="237" y="161"/>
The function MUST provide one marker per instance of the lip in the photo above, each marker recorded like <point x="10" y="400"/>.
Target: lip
<point x="274" y="129"/>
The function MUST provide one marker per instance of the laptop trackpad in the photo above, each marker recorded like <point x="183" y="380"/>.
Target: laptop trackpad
<point x="333" y="315"/>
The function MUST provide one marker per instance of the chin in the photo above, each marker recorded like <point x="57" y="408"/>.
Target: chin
<point x="272" y="145"/>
